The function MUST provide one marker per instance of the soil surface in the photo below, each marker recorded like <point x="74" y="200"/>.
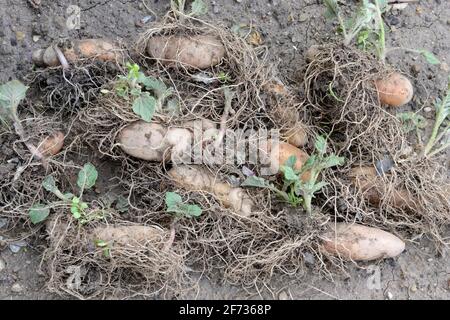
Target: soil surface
<point x="288" y="28"/>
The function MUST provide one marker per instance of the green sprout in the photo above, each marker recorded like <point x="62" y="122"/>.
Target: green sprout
<point x="297" y="189"/>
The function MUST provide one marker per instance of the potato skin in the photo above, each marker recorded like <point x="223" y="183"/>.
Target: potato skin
<point x="196" y="178"/>
<point x="145" y="141"/>
<point x="367" y="180"/>
<point x="360" y="243"/>
<point x="200" y="51"/>
<point x="52" y="144"/>
<point x="394" y="90"/>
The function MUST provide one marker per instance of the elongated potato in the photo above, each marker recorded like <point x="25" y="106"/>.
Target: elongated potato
<point x="128" y="236"/>
<point x="367" y="180"/>
<point x="394" y="90"/>
<point x="52" y="144"/>
<point x="360" y="243"/>
<point x="100" y="49"/>
<point x="199" y="51"/>
<point x="196" y="178"/>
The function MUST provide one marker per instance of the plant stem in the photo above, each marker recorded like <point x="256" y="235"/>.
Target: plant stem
<point x="434" y="133"/>
<point x="307" y="198"/>
<point x="441" y="148"/>
<point x="382" y="45"/>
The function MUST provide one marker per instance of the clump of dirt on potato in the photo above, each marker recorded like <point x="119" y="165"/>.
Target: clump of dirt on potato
<point x="385" y="181"/>
<point x="112" y="257"/>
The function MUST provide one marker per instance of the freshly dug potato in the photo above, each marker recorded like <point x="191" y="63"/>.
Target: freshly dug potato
<point x="99" y="49"/>
<point x="394" y="90"/>
<point x="360" y="243"/>
<point x="197" y="178"/>
<point x="128" y="236"/>
<point x="199" y="51"/>
<point x="155" y="142"/>
<point x="145" y="141"/>
<point x="52" y="144"/>
<point x="367" y="180"/>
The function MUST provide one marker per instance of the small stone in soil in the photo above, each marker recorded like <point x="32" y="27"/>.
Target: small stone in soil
<point x="427" y="109"/>
<point x="389" y="295"/>
<point x="413" y="288"/>
<point x="17" y="288"/>
<point x="2" y="264"/>
<point x="283" y="295"/>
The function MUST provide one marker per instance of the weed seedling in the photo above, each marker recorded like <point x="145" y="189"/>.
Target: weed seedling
<point x="148" y="94"/>
<point x="179" y="209"/>
<point x="438" y="140"/>
<point x="297" y="190"/>
<point x="198" y="8"/>
<point x="80" y="210"/>
<point x="366" y="28"/>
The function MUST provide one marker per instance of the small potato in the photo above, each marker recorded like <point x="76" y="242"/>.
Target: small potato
<point x="360" y="243"/>
<point x="199" y="51"/>
<point x="394" y="90"/>
<point x="52" y="144"/>
<point x="196" y="178"/>
<point x="128" y="236"/>
<point x="367" y="180"/>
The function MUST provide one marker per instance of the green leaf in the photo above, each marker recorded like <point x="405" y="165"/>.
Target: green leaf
<point x="320" y="144"/>
<point x="173" y="199"/>
<point x="153" y="84"/>
<point x="68" y="195"/>
<point x="198" y="8"/>
<point x="49" y="184"/>
<point x="318" y="186"/>
<point x="38" y="213"/>
<point x="12" y="92"/>
<point x="144" y="106"/>
<point x="87" y="177"/>
<point x="332" y="161"/>
<point x="290" y="162"/>
<point x="431" y="58"/>
<point x="332" y="9"/>
<point x="101" y="243"/>
<point x="289" y="173"/>
<point x="254" y="181"/>
<point x="75" y="212"/>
